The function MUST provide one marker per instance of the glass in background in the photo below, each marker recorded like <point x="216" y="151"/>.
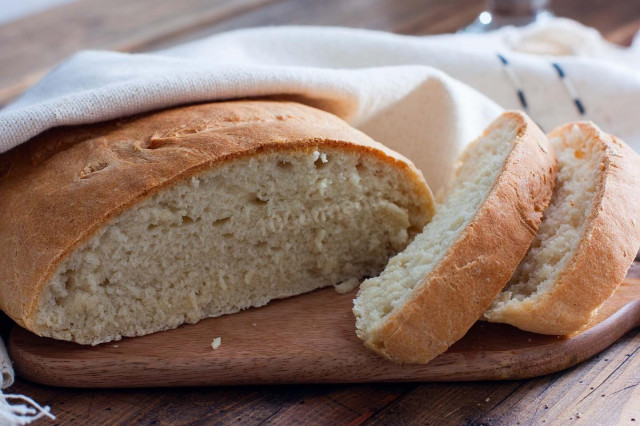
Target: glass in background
<point x="500" y="13"/>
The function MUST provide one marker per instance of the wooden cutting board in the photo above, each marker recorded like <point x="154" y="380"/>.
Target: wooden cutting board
<point x="309" y="339"/>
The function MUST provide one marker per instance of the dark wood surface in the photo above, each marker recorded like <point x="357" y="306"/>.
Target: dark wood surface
<point x="602" y="390"/>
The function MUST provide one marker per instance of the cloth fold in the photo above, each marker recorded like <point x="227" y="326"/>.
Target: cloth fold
<point x="24" y="410"/>
<point x="388" y="103"/>
<point x="425" y="97"/>
<point x="7" y="375"/>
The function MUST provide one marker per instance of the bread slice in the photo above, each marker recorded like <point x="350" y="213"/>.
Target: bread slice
<point x="430" y="294"/>
<point x="142" y="224"/>
<point x="588" y="237"/>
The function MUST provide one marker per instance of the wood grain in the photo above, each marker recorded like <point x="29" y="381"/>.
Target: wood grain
<point x="476" y="403"/>
<point x="31" y="46"/>
<point x="599" y="396"/>
<point x="264" y="346"/>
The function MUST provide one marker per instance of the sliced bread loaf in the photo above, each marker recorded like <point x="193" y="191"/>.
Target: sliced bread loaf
<point x="588" y="237"/>
<point x="430" y="294"/>
<point x="139" y="225"/>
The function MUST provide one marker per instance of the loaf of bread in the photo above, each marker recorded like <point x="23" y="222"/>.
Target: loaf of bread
<point x="430" y="294"/>
<point x="141" y="224"/>
<point x="588" y="237"/>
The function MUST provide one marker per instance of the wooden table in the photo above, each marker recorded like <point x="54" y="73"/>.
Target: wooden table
<point x="603" y="390"/>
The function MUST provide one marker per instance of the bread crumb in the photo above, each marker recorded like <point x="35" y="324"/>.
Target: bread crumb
<point x="578" y="415"/>
<point x="320" y="155"/>
<point x="115" y="346"/>
<point x="216" y="343"/>
<point x="347" y="286"/>
<point x="487" y="400"/>
<point x="253" y="324"/>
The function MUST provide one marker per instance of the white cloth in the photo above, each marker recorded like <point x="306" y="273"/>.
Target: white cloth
<point x="415" y="94"/>
<point x="16" y="409"/>
<point x="7" y="375"/>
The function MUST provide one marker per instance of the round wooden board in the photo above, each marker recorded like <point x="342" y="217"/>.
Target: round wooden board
<point x="309" y="339"/>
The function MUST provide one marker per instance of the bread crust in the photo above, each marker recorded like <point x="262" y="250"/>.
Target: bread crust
<point x="604" y="253"/>
<point x="64" y="185"/>
<point x="462" y="285"/>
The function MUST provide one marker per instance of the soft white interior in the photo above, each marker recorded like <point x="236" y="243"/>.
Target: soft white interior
<point x="563" y="223"/>
<point x="477" y="171"/>
<point x="249" y="231"/>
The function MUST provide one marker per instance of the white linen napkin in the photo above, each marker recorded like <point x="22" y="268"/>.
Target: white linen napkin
<point x="414" y="94"/>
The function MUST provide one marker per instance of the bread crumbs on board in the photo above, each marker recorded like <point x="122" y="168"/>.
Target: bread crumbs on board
<point x="216" y="343"/>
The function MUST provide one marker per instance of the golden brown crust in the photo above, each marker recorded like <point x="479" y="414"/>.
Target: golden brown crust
<point x="463" y="284"/>
<point x="604" y="253"/>
<point x="61" y="187"/>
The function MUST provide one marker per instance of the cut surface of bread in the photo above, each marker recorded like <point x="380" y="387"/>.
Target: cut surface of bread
<point x="587" y="239"/>
<point x="430" y="294"/>
<point x="143" y="224"/>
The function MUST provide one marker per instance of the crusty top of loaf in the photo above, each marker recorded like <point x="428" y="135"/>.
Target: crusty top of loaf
<point x="59" y="188"/>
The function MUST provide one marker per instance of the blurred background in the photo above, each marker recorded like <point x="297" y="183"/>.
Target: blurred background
<point x="37" y="34"/>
